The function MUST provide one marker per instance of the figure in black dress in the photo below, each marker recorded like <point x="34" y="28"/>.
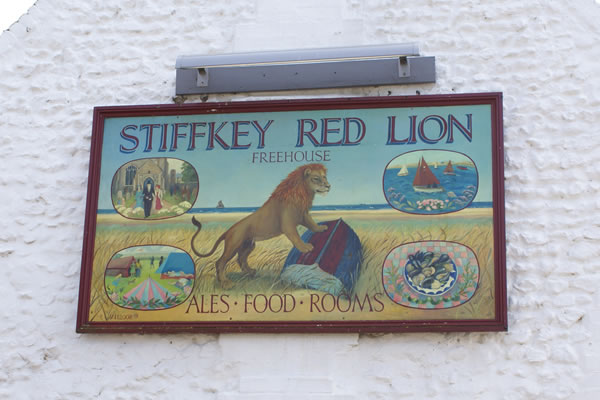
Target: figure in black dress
<point x="148" y="197"/>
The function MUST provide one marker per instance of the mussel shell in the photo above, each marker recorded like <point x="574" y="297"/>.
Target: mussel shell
<point x="417" y="280"/>
<point x="427" y="257"/>
<point x="412" y="271"/>
<point x="443" y="259"/>
<point x="427" y="282"/>
<point x="436" y="284"/>
<point x="442" y="277"/>
<point x="440" y="268"/>
<point x="415" y="259"/>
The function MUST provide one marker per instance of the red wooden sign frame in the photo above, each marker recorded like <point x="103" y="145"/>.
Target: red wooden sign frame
<point x="441" y="266"/>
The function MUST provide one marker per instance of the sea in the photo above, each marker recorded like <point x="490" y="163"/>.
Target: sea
<point x="344" y="207"/>
<point x="459" y="191"/>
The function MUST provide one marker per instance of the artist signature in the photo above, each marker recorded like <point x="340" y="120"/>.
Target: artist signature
<point x="121" y="317"/>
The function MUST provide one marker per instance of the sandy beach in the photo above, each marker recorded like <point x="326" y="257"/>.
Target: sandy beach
<point x="375" y="215"/>
<point x="380" y="231"/>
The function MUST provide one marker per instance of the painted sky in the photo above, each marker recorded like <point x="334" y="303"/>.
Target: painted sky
<point x="355" y="172"/>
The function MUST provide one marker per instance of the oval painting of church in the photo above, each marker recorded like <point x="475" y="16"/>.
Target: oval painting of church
<point x="431" y="182"/>
<point x="154" y="188"/>
<point x="149" y="277"/>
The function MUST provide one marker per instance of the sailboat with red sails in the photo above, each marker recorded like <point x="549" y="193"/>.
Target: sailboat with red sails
<point x="425" y="180"/>
<point x="449" y="170"/>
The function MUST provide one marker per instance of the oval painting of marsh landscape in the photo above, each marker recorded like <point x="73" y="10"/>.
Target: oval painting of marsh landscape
<point x="154" y="188"/>
<point x="430" y="182"/>
<point x="430" y="275"/>
<point x="149" y="277"/>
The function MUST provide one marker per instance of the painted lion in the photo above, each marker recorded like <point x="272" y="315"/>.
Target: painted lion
<point x="287" y="208"/>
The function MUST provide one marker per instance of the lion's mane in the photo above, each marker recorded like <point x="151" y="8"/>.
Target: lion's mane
<point x="293" y="190"/>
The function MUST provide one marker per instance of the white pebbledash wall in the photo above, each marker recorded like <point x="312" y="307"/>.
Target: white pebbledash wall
<point x="64" y="57"/>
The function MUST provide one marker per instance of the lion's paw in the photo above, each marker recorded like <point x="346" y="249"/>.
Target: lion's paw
<point x="305" y="247"/>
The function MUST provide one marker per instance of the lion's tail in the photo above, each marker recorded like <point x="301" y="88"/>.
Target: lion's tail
<point x="219" y="240"/>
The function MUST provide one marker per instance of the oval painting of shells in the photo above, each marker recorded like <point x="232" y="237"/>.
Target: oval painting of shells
<point x="154" y="188"/>
<point x="430" y="182"/>
<point x="149" y="277"/>
<point x="431" y="275"/>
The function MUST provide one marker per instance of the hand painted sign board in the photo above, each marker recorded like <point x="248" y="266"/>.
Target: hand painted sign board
<point x="322" y="215"/>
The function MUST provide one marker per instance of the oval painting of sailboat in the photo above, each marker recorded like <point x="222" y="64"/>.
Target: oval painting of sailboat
<point x="430" y="182"/>
<point x="154" y="188"/>
<point x="149" y="277"/>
